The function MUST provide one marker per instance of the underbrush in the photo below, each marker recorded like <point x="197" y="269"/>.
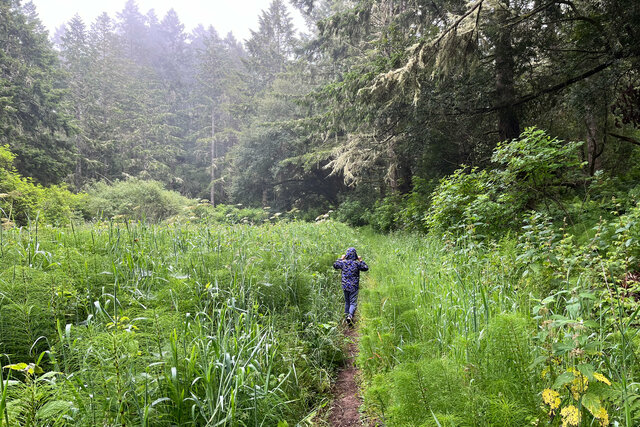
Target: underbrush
<point x="538" y="328"/>
<point x="22" y="200"/>
<point x="520" y="307"/>
<point x="137" y="324"/>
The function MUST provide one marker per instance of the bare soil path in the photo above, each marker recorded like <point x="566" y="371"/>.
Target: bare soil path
<point x="345" y="408"/>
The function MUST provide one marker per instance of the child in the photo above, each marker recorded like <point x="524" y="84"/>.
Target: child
<point x="351" y="265"/>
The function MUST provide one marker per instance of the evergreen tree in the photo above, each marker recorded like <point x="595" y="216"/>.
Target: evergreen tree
<point x="32" y="121"/>
<point x="218" y="106"/>
<point x="134" y="32"/>
<point x="271" y="47"/>
<point x="74" y="54"/>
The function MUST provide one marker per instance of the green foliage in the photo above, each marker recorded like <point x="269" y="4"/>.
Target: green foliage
<point x="37" y="399"/>
<point x="385" y="214"/>
<point x="133" y="199"/>
<point x="353" y="212"/>
<point x="391" y="213"/>
<point x="543" y="324"/>
<point x="440" y="339"/>
<point x="21" y="200"/>
<point x="533" y="172"/>
<point x="413" y="209"/>
<point x="452" y="206"/>
<point x="32" y="118"/>
<point x="505" y="360"/>
<point x="429" y="385"/>
<point x="536" y="160"/>
<point x="229" y="214"/>
<point x="155" y="324"/>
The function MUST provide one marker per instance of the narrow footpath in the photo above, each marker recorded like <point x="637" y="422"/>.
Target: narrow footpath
<point x="346" y="404"/>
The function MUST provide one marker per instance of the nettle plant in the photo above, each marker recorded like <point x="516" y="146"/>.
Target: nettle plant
<point x="570" y="356"/>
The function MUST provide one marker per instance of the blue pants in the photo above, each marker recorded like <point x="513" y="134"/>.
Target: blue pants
<point x="350" y="301"/>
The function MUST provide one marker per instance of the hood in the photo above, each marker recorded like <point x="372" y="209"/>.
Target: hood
<point x="351" y="254"/>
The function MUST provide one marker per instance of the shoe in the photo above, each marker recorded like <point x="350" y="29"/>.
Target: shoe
<point x="350" y="320"/>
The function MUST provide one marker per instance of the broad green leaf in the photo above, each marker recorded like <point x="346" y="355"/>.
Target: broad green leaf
<point x="563" y="379"/>
<point x="592" y="402"/>
<point x="587" y="370"/>
<point x="17" y="366"/>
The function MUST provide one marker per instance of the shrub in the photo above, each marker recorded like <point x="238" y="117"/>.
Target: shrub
<point x="416" y="203"/>
<point x="134" y="199"/>
<point x="532" y="170"/>
<point x="386" y="213"/>
<point x="21" y="200"/>
<point x="228" y="214"/>
<point x="459" y="198"/>
<point x="353" y="212"/>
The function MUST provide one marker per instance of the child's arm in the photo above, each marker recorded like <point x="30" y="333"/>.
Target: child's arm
<point x="362" y="266"/>
<point x="338" y="264"/>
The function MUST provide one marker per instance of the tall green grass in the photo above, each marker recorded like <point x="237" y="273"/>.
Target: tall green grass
<point x="471" y="334"/>
<point x="436" y="332"/>
<point x="138" y="324"/>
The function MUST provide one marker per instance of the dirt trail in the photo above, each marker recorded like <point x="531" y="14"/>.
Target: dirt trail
<point x="345" y="408"/>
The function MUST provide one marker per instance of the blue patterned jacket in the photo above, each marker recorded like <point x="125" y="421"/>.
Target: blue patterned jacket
<point x="351" y="269"/>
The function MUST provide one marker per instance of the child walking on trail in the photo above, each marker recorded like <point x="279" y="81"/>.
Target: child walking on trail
<point x="351" y="265"/>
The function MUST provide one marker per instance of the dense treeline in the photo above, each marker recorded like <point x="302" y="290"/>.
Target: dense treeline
<point x="505" y="130"/>
<point x="377" y="102"/>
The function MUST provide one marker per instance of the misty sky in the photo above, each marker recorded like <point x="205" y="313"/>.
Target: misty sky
<point x="225" y="15"/>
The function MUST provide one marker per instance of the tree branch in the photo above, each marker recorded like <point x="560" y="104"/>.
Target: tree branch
<point x="550" y="89"/>
<point x="625" y="138"/>
<point x="456" y="23"/>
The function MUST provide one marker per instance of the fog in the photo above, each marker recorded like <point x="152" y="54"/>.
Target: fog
<point x="226" y="16"/>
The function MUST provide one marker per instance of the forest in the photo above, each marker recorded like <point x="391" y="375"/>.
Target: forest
<point x="172" y="201"/>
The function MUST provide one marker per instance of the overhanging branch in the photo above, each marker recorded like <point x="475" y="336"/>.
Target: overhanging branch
<point x="625" y="138"/>
<point x="554" y="88"/>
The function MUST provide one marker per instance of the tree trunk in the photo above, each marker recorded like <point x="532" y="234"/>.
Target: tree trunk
<point x="392" y="169"/>
<point x="508" y="123"/>
<point x="405" y="174"/>
<point x="78" y="175"/>
<point x="593" y="150"/>
<point x="213" y="158"/>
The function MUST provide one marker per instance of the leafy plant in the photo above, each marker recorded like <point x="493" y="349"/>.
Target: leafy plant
<point x="533" y="170"/>
<point x="133" y="199"/>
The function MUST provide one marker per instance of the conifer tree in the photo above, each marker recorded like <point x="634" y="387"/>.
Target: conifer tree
<point x="32" y="120"/>
<point x="271" y="47"/>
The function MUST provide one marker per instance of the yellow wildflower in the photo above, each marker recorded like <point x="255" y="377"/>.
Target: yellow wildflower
<point x="601" y="378"/>
<point x="570" y="416"/>
<point x="545" y="372"/>
<point x="603" y="417"/>
<point x="551" y="398"/>
<point x="579" y="385"/>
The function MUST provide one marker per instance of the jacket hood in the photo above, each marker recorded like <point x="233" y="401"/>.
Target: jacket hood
<point x="351" y="254"/>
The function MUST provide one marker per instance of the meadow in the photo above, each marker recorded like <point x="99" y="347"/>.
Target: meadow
<point x="127" y="323"/>
<point x="498" y="334"/>
<point x="135" y="324"/>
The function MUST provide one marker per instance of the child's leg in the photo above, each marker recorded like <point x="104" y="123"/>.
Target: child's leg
<point x="347" y="301"/>
<point x="353" y="301"/>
